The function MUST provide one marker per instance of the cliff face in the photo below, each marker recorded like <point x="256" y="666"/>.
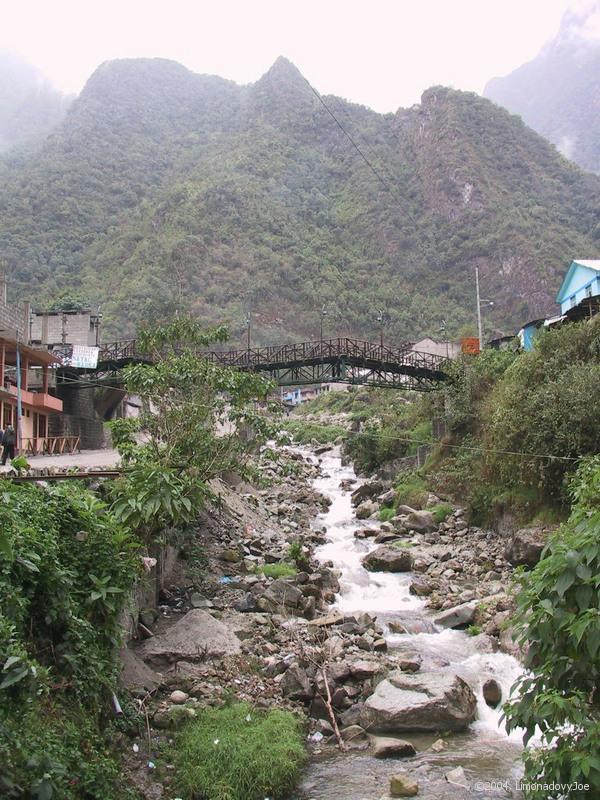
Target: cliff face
<point x="163" y="189"/>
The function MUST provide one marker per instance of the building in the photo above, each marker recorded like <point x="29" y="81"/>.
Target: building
<point x="25" y="376"/>
<point x="54" y="329"/>
<point x="580" y="284"/>
<point x="445" y="349"/>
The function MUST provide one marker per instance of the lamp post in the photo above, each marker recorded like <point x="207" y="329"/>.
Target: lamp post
<point x="323" y="315"/>
<point x="248" y="326"/>
<point x="480" y="303"/>
<point x="443" y="329"/>
<point x="381" y="320"/>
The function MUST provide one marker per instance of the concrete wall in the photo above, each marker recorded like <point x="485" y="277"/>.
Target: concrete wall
<point x="79" y="328"/>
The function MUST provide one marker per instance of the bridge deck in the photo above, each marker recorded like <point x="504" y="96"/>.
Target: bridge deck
<point x="343" y="360"/>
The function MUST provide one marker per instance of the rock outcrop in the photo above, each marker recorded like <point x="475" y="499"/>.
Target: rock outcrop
<point x="196" y="637"/>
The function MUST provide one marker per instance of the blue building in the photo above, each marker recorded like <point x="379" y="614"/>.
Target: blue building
<point x="581" y="282"/>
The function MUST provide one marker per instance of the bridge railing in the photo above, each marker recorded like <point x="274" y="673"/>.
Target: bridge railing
<point x="356" y="350"/>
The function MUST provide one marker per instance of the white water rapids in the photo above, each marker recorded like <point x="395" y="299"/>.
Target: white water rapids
<point x="486" y="753"/>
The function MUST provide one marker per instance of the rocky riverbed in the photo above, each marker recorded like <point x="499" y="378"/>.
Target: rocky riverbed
<point x="391" y="638"/>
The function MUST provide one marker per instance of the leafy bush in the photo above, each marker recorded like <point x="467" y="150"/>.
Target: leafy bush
<point x="65" y="570"/>
<point x="558" y="625"/>
<point x="239" y="753"/>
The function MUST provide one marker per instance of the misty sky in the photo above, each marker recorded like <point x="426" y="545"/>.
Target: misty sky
<point x="382" y="53"/>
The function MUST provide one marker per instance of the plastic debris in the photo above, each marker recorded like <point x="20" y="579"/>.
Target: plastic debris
<point x="136" y="748"/>
<point x="317" y="736"/>
<point x="225" y="579"/>
<point x="151" y="765"/>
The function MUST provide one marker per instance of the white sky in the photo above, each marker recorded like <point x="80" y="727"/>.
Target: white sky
<point x="382" y="53"/>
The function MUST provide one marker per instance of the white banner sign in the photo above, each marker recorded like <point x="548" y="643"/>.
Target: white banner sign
<point x="84" y="357"/>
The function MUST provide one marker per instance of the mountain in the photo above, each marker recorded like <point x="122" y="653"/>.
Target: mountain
<point x="164" y="189"/>
<point x="558" y="93"/>
<point x="30" y="108"/>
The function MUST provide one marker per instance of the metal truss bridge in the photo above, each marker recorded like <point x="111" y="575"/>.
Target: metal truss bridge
<point x="342" y="360"/>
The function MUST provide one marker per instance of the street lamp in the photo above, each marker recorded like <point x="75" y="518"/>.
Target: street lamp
<point x="443" y="329"/>
<point x="323" y="315"/>
<point x="381" y="319"/>
<point x="97" y="323"/>
<point x="248" y="324"/>
<point x="480" y="303"/>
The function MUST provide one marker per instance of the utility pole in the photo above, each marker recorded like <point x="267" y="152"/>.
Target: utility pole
<point x="19" y="403"/>
<point x="248" y="324"/>
<point x="478" y="309"/>
<point x="64" y="328"/>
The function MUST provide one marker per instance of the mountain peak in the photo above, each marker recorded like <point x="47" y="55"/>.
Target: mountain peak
<point x="283" y="69"/>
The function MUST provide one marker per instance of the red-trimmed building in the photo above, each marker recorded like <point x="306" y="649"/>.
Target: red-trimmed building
<point x="37" y="404"/>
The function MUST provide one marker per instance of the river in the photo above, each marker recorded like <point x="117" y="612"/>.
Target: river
<point x="489" y="757"/>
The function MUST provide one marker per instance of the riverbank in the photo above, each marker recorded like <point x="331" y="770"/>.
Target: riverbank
<point x="328" y="639"/>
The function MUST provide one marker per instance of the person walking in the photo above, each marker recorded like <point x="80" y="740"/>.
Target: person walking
<point x="8" y="441"/>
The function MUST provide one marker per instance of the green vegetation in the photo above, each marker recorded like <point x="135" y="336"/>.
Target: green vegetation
<point x="411" y="490"/>
<point x="473" y="630"/>
<point x="517" y="425"/>
<point x="238" y="753"/>
<point x="237" y="197"/>
<point x="386" y="514"/>
<point x="558" y="625"/>
<point x="441" y="512"/>
<point x="197" y="421"/>
<point x="66" y="568"/>
<point x="304" y="432"/>
<point x="281" y="570"/>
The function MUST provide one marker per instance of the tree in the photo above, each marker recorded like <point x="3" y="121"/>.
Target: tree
<point x="198" y="419"/>
<point x="558" y="625"/>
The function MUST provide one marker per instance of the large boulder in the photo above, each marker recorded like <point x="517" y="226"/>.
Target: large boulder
<point x="366" y="491"/>
<point x="195" y="637"/>
<point x="429" y="701"/>
<point x="420" y="522"/>
<point x="457" y="617"/>
<point x="525" y="547"/>
<point x="388" y="559"/>
<point x="295" y="684"/>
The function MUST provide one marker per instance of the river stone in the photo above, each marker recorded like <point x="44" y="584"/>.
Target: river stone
<point x="525" y="548"/>
<point x="420" y="522"/>
<point x="388" y="559"/>
<point x="366" y="491"/>
<point x="295" y="684"/>
<point x="366" y="509"/>
<point x="427" y="701"/>
<point x="492" y="692"/>
<point x="457" y="617"/>
<point x="386" y="747"/>
<point x="197" y="635"/>
<point x="279" y="595"/>
<point x="402" y="785"/>
<point x="457" y="777"/>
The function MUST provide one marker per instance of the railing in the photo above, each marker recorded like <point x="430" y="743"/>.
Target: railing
<point x="49" y="445"/>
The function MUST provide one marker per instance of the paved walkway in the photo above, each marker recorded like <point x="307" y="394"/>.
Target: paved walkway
<point x="87" y="458"/>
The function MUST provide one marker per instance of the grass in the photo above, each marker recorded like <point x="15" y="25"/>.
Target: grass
<point x="239" y="753"/>
<point x="281" y="570"/>
<point x="473" y="630"/>
<point x="386" y="514"/>
<point x="441" y="512"/>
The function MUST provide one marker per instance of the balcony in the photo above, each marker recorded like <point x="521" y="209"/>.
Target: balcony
<point x="37" y="400"/>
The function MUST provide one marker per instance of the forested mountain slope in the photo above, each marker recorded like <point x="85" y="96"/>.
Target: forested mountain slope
<point x="558" y="93"/>
<point x="167" y="189"/>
